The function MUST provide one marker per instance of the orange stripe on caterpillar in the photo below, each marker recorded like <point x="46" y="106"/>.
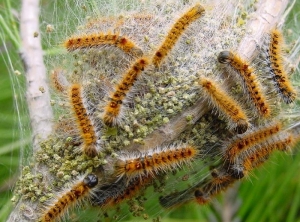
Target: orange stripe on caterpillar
<point x="260" y="155"/>
<point x="113" y="109"/>
<point x="176" y="31"/>
<point x="250" y="139"/>
<point x="96" y="40"/>
<point x="83" y="121"/>
<point x="154" y="162"/>
<point x="76" y="194"/>
<point x="280" y="77"/>
<point x="246" y="72"/>
<point x="225" y="104"/>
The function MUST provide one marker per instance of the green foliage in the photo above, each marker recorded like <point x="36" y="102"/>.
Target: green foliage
<point x="12" y="109"/>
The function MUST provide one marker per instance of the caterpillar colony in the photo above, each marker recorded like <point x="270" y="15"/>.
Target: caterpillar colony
<point x="158" y="106"/>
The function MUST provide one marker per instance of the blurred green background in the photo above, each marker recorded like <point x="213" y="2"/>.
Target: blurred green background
<point x="271" y="194"/>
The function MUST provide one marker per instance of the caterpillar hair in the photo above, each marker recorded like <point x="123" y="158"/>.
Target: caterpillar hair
<point x="279" y="75"/>
<point x="246" y="73"/>
<point x="96" y="40"/>
<point x="58" y="81"/>
<point x="76" y="194"/>
<point x="260" y="154"/>
<point x="119" y="191"/>
<point x="225" y="104"/>
<point x="154" y="162"/>
<point x="221" y="181"/>
<point x="112" y="111"/>
<point x="84" y="122"/>
<point x="176" y="31"/>
<point x="247" y="140"/>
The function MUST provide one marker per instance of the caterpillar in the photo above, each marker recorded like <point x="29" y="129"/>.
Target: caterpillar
<point x="225" y="104"/>
<point x="112" y="110"/>
<point x="87" y="130"/>
<point x="280" y="77"/>
<point x="247" y="140"/>
<point x="119" y="191"/>
<point x="58" y="80"/>
<point x="153" y="162"/>
<point x="221" y="181"/>
<point x="246" y="72"/>
<point x="74" y="195"/>
<point x="259" y="156"/>
<point x="100" y="39"/>
<point x="176" y="31"/>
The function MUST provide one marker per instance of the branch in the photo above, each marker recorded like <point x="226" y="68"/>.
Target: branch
<point x="268" y="14"/>
<point x="37" y="95"/>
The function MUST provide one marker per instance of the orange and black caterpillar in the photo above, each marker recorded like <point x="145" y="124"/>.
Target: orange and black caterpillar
<point x="246" y="73"/>
<point x="100" y="39"/>
<point x="112" y="111"/>
<point x="225" y="104"/>
<point x="154" y="161"/>
<point x="79" y="191"/>
<point x="176" y="31"/>
<point x="84" y="122"/>
<point x="276" y="67"/>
